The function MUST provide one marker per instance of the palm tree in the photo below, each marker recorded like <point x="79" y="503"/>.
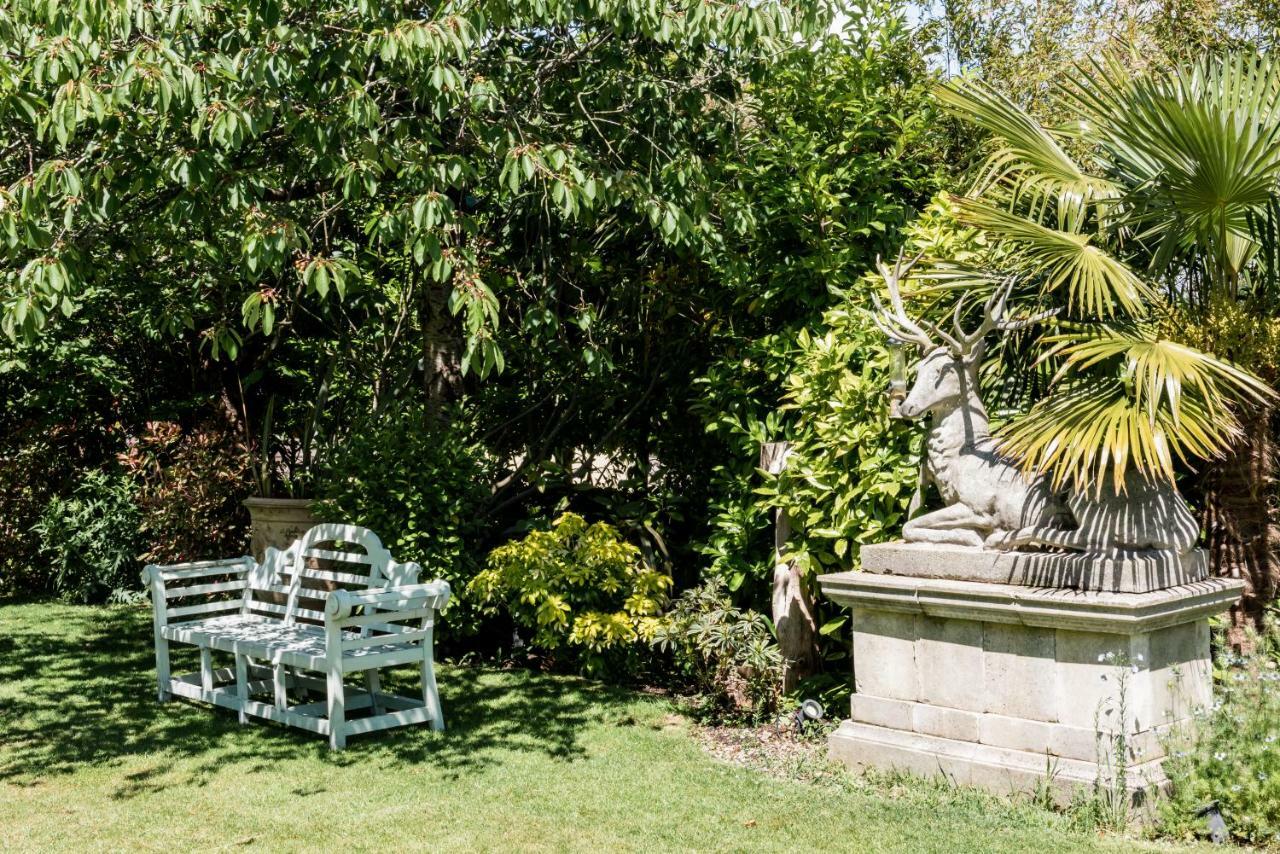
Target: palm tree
<point x="1151" y="208"/>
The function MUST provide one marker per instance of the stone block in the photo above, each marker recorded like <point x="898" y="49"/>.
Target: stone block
<point x="1015" y="733"/>
<point x="996" y="769"/>
<point x="1136" y="572"/>
<point x="1019" y="671"/>
<point x="1181" y="672"/>
<point x="957" y="724"/>
<point x="1088" y="679"/>
<point x="949" y="661"/>
<point x="884" y="654"/>
<point x="879" y="711"/>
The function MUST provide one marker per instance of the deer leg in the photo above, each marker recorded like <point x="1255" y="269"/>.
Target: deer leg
<point x="955" y="525"/>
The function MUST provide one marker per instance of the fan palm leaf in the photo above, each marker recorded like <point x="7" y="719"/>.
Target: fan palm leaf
<point x="1197" y="151"/>
<point x="1157" y="370"/>
<point x="1095" y="429"/>
<point x="1095" y="282"/>
<point x="1028" y="161"/>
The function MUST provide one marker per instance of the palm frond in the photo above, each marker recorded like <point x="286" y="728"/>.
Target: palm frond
<point x="1198" y="150"/>
<point x="1158" y="372"/>
<point x="1094" y="430"/>
<point x="1096" y="283"/>
<point x="1027" y="160"/>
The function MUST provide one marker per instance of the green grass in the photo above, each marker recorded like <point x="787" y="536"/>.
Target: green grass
<point x="89" y="761"/>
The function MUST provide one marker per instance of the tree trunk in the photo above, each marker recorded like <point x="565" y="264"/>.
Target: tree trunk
<point x="1241" y="531"/>
<point x="441" y="363"/>
<point x="792" y="612"/>
<point x="792" y="605"/>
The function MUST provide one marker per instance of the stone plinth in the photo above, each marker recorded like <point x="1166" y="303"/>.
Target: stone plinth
<point x="1131" y="572"/>
<point x="1004" y="686"/>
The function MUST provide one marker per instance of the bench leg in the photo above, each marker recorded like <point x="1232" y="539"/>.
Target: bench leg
<point x="430" y="696"/>
<point x="337" y="709"/>
<point x="206" y="669"/>
<point x="162" y="670"/>
<point x="242" y="686"/>
<point x="280" y="686"/>
<point x="374" y="683"/>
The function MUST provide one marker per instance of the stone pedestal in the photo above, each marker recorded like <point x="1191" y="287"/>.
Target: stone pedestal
<point x="1005" y="686"/>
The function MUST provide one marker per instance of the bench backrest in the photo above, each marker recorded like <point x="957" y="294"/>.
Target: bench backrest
<point x="295" y="583"/>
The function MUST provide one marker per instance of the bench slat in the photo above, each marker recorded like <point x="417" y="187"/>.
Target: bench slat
<point x="393" y="628"/>
<point x="358" y="663"/>
<point x="197" y="589"/>
<point x="330" y="575"/>
<point x="281" y="610"/>
<point x="303" y="592"/>
<point x="390" y="719"/>
<point x="386" y="617"/>
<point x="345" y="557"/>
<point x="208" y="568"/>
<point x="379" y="640"/>
<point x="206" y="608"/>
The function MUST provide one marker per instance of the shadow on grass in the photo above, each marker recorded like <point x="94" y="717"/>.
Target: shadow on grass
<point x="87" y="698"/>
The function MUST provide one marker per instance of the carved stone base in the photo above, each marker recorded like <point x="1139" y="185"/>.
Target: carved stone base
<point x="1005" y="686"/>
<point x="1133" y="572"/>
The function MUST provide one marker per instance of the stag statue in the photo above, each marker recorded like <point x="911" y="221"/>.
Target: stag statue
<point x="990" y="502"/>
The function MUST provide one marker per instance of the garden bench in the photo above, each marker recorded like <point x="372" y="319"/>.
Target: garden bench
<point x="332" y="603"/>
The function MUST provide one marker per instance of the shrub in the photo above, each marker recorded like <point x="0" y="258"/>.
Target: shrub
<point x="420" y="485"/>
<point x="1232" y="752"/>
<point x="31" y="471"/>
<point x="578" y="585"/>
<point x="90" y="539"/>
<point x="190" y="486"/>
<point x="729" y="654"/>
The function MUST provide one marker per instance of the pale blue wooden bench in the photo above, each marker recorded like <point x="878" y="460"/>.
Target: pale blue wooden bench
<point x="334" y="603"/>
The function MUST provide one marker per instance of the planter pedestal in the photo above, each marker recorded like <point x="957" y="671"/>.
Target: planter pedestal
<point x="277" y="522"/>
<point x="1008" y="687"/>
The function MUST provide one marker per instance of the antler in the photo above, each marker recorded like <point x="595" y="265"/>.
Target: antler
<point x="896" y="323"/>
<point x="969" y="343"/>
<point x="963" y="345"/>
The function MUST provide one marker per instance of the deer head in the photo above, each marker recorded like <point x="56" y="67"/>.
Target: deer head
<point x="947" y="375"/>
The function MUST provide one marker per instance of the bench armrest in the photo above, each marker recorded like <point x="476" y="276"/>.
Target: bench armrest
<point x="409" y="597"/>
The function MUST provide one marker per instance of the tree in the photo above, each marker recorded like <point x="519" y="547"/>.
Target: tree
<point x="239" y="159"/>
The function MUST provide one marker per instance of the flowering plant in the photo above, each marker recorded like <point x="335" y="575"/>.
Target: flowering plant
<point x="1231" y="755"/>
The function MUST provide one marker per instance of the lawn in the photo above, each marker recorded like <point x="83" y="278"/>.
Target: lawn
<point x="89" y="761"/>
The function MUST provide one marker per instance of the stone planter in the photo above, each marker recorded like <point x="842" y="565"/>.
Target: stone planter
<point x="277" y="522"/>
<point x="1005" y="685"/>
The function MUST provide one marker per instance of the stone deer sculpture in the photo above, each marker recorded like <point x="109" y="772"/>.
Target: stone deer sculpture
<point x="990" y="502"/>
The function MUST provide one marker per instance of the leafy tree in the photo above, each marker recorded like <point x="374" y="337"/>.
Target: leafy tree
<point x="240" y="157"/>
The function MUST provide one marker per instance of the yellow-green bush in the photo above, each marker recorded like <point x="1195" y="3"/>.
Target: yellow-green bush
<point x="576" y="585"/>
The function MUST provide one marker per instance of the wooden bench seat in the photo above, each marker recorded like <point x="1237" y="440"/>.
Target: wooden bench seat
<point x="296" y="645"/>
<point x="333" y="603"/>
